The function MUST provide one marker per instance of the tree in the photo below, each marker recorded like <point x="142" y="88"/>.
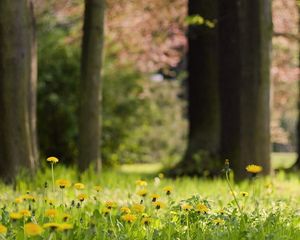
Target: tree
<point x="203" y="92"/>
<point x="245" y="29"/>
<point x="17" y="147"/>
<point x="90" y="87"/>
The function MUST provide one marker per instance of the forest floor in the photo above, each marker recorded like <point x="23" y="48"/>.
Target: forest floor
<point x="136" y="202"/>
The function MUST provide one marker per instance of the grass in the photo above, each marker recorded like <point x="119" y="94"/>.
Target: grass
<point x="194" y="209"/>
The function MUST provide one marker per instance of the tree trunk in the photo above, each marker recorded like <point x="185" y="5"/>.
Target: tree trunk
<point x="15" y="75"/>
<point x="90" y="85"/>
<point x="245" y="30"/>
<point x="203" y="93"/>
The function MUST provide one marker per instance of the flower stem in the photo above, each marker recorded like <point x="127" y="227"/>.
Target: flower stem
<point x="52" y="171"/>
<point x="233" y="194"/>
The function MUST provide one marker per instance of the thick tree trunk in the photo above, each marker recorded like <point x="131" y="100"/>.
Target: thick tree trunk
<point x="15" y="73"/>
<point x="245" y="44"/>
<point x="203" y="92"/>
<point x="90" y="85"/>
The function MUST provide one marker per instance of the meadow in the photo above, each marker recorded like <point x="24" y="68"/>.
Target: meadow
<point x="138" y="202"/>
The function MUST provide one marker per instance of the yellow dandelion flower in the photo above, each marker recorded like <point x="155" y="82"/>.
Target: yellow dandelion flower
<point x="28" y="197"/>
<point x="158" y="205"/>
<point x="51" y="225"/>
<point x="139" y="208"/>
<point x="125" y="209"/>
<point x="97" y="188"/>
<point x="65" y="227"/>
<point x="3" y="229"/>
<point x="32" y="229"/>
<point x="252" y="168"/>
<point x="25" y="213"/>
<point x="146" y="221"/>
<point x="106" y="210"/>
<point x="186" y="207"/>
<point x="51" y="212"/>
<point x="129" y="218"/>
<point x="15" y="215"/>
<point x="141" y="183"/>
<point x="81" y="197"/>
<point x="18" y="200"/>
<point x="244" y="194"/>
<point x="110" y="204"/>
<point x="142" y="192"/>
<point x="168" y="190"/>
<point x="79" y="186"/>
<point x="52" y="159"/>
<point x="218" y="221"/>
<point x="63" y="183"/>
<point x="66" y="217"/>
<point x="201" y="208"/>
<point x="155" y="197"/>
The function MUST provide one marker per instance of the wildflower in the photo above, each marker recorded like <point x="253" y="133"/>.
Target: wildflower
<point x="79" y="186"/>
<point x="28" y="197"/>
<point x="81" y="197"/>
<point x="128" y="218"/>
<point x="143" y="192"/>
<point x="25" y="213"/>
<point x="201" y="208"/>
<point x="146" y="221"/>
<point x="63" y="183"/>
<point x="218" y="221"/>
<point x="3" y="229"/>
<point x="110" y="204"/>
<point x="66" y="217"/>
<point x="51" y="212"/>
<point x="154" y="197"/>
<point x="18" y="200"/>
<point x="51" y="225"/>
<point x="158" y="205"/>
<point x="141" y="183"/>
<point x="125" y="209"/>
<point x="186" y="207"/>
<point x="168" y="190"/>
<point x="244" y="194"/>
<point x="106" y="210"/>
<point x="15" y="215"/>
<point x="254" y="168"/>
<point x="65" y="227"/>
<point x="32" y="229"/>
<point x="52" y="159"/>
<point x="140" y="208"/>
<point x="97" y="188"/>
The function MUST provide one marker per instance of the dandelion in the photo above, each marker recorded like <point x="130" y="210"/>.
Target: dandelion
<point x="141" y="183"/>
<point x="32" y="229"/>
<point x="186" y="207"/>
<point x="139" y="208"/>
<point x="81" y="197"/>
<point x="3" y="229"/>
<point x="18" y="200"/>
<point x="201" y="208"/>
<point x="106" y="210"/>
<point x="52" y="160"/>
<point x="252" y="168"/>
<point x="79" y="186"/>
<point x="25" y="213"/>
<point x="129" y="218"/>
<point x="218" y="221"/>
<point x="154" y="197"/>
<point x="244" y="194"/>
<point x="15" y="215"/>
<point x="97" y="188"/>
<point x="63" y="183"/>
<point x="51" y="225"/>
<point x="125" y="209"/>
<point x="28" y="197"/>
<point x="51" y="212"/>
<point x="168" y="190"/>
<point x="158" y="205"/>
<point x="66" y="217"/>
<point x="110" y="204"/>
<point x="143" y="192"/>
<point x="65" y="226"/>
<point x="146" y="221"/>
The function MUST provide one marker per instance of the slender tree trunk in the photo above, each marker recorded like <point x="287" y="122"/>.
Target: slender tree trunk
<point x="203" y="92"/>
<point x="245" y="44"/>
<point x="90" y="85"/>
<point x="15" y="76"/>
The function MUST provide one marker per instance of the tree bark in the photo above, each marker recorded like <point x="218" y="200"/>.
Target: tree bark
<point x="245" y="30"/>
<point x="16" y="148"/>
<point x="203" y="93"/>
<point x="90" y="85"/>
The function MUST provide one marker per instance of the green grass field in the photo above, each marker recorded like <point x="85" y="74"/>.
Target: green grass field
<point x="118" y="205"/>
